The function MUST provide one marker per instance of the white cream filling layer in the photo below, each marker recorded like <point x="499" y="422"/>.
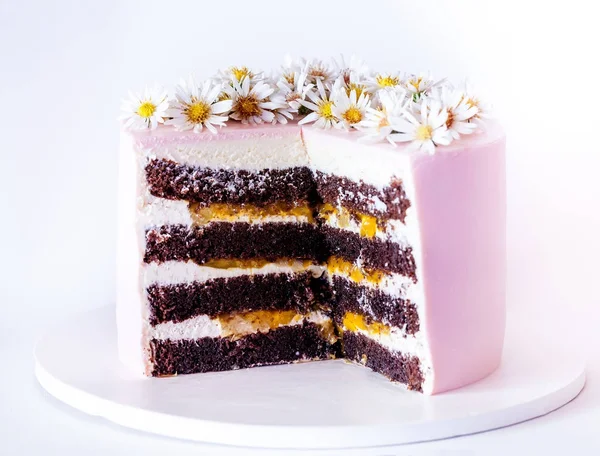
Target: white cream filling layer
<point x="343" y="155"/>
<point x="176" y="272"/>
<point x="160" y="211"/>
<point x="204" y="326"/>
<point x="286" y="151"/>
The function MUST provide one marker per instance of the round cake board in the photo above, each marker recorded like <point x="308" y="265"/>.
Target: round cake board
<point x="330" y="404"/>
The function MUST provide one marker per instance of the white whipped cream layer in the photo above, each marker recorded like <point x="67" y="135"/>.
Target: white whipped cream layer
<point x="341" y="154"/>
<point x="160" y="211"/>
<point x="252" y="154"/>
<point x="178" y="272"/>
<point x="204" y="326"/>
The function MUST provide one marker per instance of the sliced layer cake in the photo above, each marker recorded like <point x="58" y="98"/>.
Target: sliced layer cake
<point x="274" y="244"/>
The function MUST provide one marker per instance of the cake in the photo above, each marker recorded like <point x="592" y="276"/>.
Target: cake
<point x="249" y="237"/>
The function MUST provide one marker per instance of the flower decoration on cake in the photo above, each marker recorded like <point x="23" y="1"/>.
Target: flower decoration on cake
<point x="425" y="127"/>
<point x="145" y="110"/>
<point x="381" y="106"/>
<point x="293" y="87"/>
<point x="196" y="107"/>
<point x="236" y="73"/>
<point x="474" y="101"/>
<point x="350" y="109"/>
<point x="317" y="70"/>
<point x="321" y="107"/>
<point x="420" y="85"/>
<point x="459" y="111"/>
<point x="354" y="68"/>
<point x="380" y="122"/>
<point x="250" y="101"/>
<point x="385" y="81"/>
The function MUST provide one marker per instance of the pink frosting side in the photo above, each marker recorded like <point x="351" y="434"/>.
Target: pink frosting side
<point x="461" y="204"/>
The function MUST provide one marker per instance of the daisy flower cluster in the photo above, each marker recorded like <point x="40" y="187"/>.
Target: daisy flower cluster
<point x="382" y="106"/>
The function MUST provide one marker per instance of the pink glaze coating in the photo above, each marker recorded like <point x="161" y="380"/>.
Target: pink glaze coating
<point x="461" y="205"/>
<point x="164" y="136"/>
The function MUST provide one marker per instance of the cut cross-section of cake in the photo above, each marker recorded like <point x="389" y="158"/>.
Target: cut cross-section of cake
<point x="220" y="253"/>
<point x="273" y="244"/>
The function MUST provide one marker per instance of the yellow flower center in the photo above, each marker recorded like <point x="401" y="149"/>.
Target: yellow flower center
<point x="247" y="107"/>
<point x="198" y="112"/>
<point x="384" y="122"/>
<point x="325" y="110"/>
<point x="387" y="81"/>
<point x="353" y="115"/>
<point x="240" y="72"/>
<point x="146" y="109"/>
<point x="415" y="82"/>
<point x="423" y="132"/>
<point x="223" y="96"/>
<point x="450" y="119"/>
<point x="292" y="96"/>
<point x="473" y="102"/>
<point x="289" y="77"/>
<point x="318" y="72"/>
<point x="358" y="88"/>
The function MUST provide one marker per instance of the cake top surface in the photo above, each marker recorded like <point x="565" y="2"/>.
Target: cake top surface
<point x="413" y="110"/>
<point x="164" y="136"/>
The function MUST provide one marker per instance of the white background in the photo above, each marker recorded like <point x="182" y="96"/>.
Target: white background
<point x="64" y="67"/>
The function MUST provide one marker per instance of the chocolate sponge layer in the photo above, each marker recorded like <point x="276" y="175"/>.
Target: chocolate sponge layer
<point x="395" y="366"/>
<point x="171" y="180"/>
<point x="168" y="179"/>
<point x="362" y="197"/>
<point x="224" y="240"/>
<point x="374" y="305"/>
<point x="279" y="346"/>
<point x="273" y="241"/>
<point x="300" y="292"/>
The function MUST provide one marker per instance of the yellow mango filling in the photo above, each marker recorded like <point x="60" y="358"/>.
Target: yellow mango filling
<point x="354" y="322"/>
<point x="240" y="324"/>
<point x="201" y="215"/>
<point x="254" y="263"/>
<point x="236" y="325"/>
<point x="353" y="272"/>
<point x="367" y="223"/>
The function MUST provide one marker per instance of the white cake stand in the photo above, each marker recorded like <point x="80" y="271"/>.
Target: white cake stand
<point x="328" y="404"/>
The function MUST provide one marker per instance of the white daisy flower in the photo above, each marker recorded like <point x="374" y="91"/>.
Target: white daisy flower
<point x="380" y="123"/>
<point x="459" y="111"/>
<point x="292" y="65"/>
<point x="474" y="101"/>
<point x="321" y="105"/>
<point x="293" y="87"/>
<point x="196" y="107"/>
<point x="317" y="70"/>
<point x="145" y="110"/>
<point x="425" y="129"/>
<point x="421" y="84"/>
<point x="384" y="81"/>
<point x="353" y="81"/>
<point x="283" y="112"/>
<point x="355" y="66"/>
<point x="351" y="108"/>
<point x="237" y="73"/>
<point x="251" y="103"/>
